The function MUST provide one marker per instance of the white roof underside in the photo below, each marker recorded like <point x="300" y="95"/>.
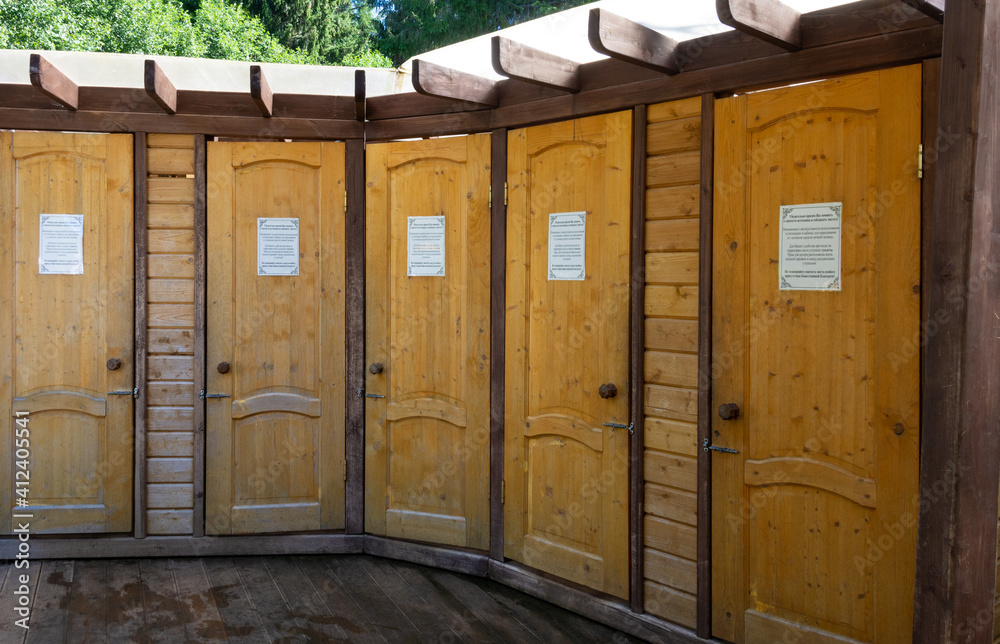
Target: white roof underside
<point x="565" y="33"/>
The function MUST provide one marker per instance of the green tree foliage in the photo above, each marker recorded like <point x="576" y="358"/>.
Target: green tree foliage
<point x="216" y="30"/>
<point x="410" y="27"/>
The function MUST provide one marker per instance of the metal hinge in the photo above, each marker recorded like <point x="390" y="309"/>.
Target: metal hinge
<point x="713" y="448"/>
<point x="505" y="193"/>
<point x="491" y="196"/>
<point x="345" y="201"/>
<point x="920" y="161"/>
<point x="503" y="492"/>
<point x="630" y="427"/>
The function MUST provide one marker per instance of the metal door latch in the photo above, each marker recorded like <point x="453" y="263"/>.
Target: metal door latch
<point x="203" y="395"/>
<point x="630" y="427"/>
<point x="727" y="450"/>
<point x="134" y="393"/>
<point x="360" y="392"/>
<point x="374" y="396"/>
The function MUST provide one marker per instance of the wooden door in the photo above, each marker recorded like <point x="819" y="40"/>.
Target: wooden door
<point x="67" y="440"/>
<point x="427" y="456"/>
<point x="814" y="520"/>
<point x="565" y="471"/>
<point x="275" y="441"/>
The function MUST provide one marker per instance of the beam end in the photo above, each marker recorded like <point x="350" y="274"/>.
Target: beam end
<point x="772" y="21"/>
<point x="47" y="78"/>
<point x="431" y="79"/>
<point x="632" y="42"/>
<point x="159" y="87"/>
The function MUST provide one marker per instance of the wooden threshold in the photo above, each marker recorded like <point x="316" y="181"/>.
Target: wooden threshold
<point x="465" y="561"/>
<point x="43" y="547"/>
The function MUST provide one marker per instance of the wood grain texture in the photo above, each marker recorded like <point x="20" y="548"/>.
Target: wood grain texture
<point x="431" y="79"/>
<point x="498" y="322"/>
<point x="260" y="91"/>
<point x="48" y="80"/>
<point x="200" y="236"/>
<point x="355" y="340"/>
<point x="637" y="343"/>
<point x="159" y="87"/>
<point x="772" y="21"/>
<point x="140" y="221"/>
<point x="631" y="42"/>
<point x="531" y="65"/>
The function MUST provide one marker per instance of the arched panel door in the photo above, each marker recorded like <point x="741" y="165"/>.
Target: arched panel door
<point x="66" y="331"/>
<point x="275" y="339"/>
<point x="566" y="465"/>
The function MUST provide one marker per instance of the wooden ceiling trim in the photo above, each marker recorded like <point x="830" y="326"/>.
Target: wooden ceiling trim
<point x="933" y="8"/>
<point x="260" y="91"/>
<point x="47" y="78"/>
<point x="632" y="42"/>
<point x="772" y="21"/>
<point x="159" y="87"/>
<point x="431" y="79"/>
<point x="521" y="62"/>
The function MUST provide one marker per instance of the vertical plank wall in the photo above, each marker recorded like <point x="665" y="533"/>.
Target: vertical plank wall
<point x="171" y="388"/>
<point x="671" y="359"/>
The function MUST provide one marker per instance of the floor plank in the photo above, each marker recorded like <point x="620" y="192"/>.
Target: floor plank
<point x="49" y="617"/>
<point x="239" y="614"/>
<point x="11" y="633"/>
<point x="200" y="615"/>
<point x="159" y="596"/>
<point x="88" y="605"/>
<point x="365" y="616"/>
<point x="127" y="622"/>
<point x="278" y="620"/>
<point x="315" y="620"/>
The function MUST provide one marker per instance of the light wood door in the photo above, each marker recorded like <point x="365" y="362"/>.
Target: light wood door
<point x="275" y="442"/>
<point x="58" y="331"/>
<point x="565" y="472"/>
<point x="427" y="458"/>
<point x="814" y="521"/>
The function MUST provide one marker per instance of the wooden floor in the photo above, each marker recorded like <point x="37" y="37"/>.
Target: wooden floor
<point x="354" y="598"/>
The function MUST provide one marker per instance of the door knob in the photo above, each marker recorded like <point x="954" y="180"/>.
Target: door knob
<point x="608" y="391"/>
<point x="375" y="368"/>
<point x="114" y="363"/>
<point x="223" y="367"/>
<point x="729" y="411"/>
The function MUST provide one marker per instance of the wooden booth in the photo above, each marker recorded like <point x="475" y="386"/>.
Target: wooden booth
<point x="695" y="334"/>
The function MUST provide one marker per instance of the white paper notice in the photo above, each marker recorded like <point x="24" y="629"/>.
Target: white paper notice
<point x="567" y="245"/>
<point x="425" y="246"/>
<point x="810" y="247"/>
<point x="277" y="246"/>
<point x="60" y="244"/>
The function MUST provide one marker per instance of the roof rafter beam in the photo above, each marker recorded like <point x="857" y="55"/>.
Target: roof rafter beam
<point x="772" y="21"/>
<point x="47" y="78"/>
<point x="431" y="79"/>
<point x="524" y="63"/>
<point x="360" y="95"/>
<point x="260" y="91"/>
<point x="159" y="87"/>
<point x="631" y="42"/>
<point x="932" y="8"/>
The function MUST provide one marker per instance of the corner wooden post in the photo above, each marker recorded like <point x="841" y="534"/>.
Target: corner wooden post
<point x="960" y="450"/>
<point x="355" y="332"/>
<point x="498" y="321"/>
<point x="200" y="325"/>
<point x="704" y="552"/>
<point x="637" y="350"/>
<point x="139" y="225"/>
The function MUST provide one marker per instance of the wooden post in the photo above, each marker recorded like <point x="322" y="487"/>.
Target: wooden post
<point x="960" y="453"/>
<point x="498" y="313"/>
<point x="637" y="350"/>
<point x="200" y="326"/>
<point x="355" y="331"/>
<point x="139" y="221"/>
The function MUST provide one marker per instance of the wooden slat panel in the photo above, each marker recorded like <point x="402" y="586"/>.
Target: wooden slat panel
<point x="166" y="291"/>
<point x="171" y="190"/>
<point x="671" y="537"/>
<point x="170" y="495"/>
<point x="670" y="503"/>
<point x="170" y="444"/>
<point x="172" y="393"/>
<point x="674" y="110"/>
<point x="671" y="469"/>
<point x="672" y="436"/>
<point x="672" y="235"/>
<point x="672" y="402"/>
<point x="670" y="604"/>
<point x="169" y="521"/>
<point x="170" y="241"/>
<point x="672" y="268"/>
<point x="170" y="215"/>
<point x="170" y="419"/>
<point x="169" y="470"/>
<point x="170" y="140"/>
<point x="170" y="340"/>
<point x="673" y="169"/>
<point x="171" y="266"/>
<point x="680" y="135"/>
<point x="673" y="202"/>
<point x="171" y="367"/>
<point x="170" y="161"/>
<point x="667" y="368"/>
<point x="677" y="573"/>
<point x="672" y="301"/>
<point x="672" y="335"/>
<point x="171" y="315"/>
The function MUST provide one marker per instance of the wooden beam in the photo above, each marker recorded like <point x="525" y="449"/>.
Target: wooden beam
<point x="200" y="326"/>
<point x="960" y="387"/>
<point x="141" y="260"/>
<point x="514" y="60"/>
<point x="100" y="547"/>
<point x="360" y="95"/>
<point x="355" y="335"/>
<point x="431" y="79"/>
<point x="772" y="21"/>
<point x="53" y="83"/>
<point x="260" y="91"/>
<point x="498" y="326"/>
<point x="631" y="42"/>
<point x="463" y="561"/>
<point x="637" y="349"/>
<point x="933" y="8"/>
<point x="159" y="87"/>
